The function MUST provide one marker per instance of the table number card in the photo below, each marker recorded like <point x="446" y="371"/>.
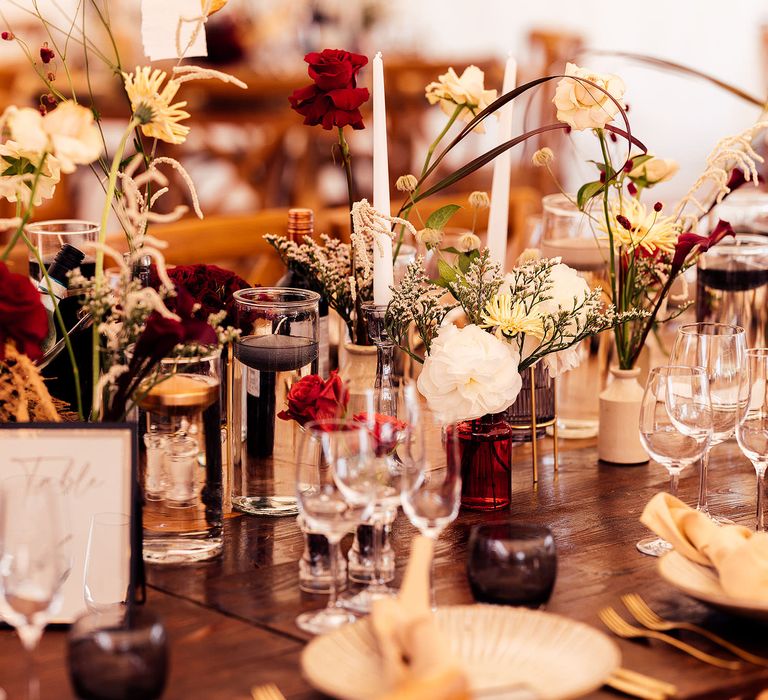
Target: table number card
<point x="96" y="468"/>
<point x="170" y="26"/>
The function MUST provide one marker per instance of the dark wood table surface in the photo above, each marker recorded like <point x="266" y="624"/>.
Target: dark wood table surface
<point x="231" y="621"/>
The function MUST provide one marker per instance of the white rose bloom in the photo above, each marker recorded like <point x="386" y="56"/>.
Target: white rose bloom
<point x="558" y="363"/>
<point x="74" y="136"/>
<point x="18" y="186"/>
<point x="26" y="128"/>
<point x="469" y="373"/>
<point x="584" y="107"/>
<point x="451" y="90"/>
<point x="655" y="170"/>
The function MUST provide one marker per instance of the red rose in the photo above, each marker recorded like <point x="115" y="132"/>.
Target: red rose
<point x="313" y="398"/>
<point x="23" y="318"/>
<point x="334" y="98"/>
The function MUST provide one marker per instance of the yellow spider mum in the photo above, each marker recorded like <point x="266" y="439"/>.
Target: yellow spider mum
<point x="633" y="226"/>
<point x="152" y="106"/>
<point x="509" y="319"/>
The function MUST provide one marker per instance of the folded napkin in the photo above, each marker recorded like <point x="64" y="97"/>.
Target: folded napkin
<point x="416" y="658"/>
<point x="739" y="555"/>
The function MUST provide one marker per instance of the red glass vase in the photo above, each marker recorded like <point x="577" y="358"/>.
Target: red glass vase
<point x="485" y="451"/>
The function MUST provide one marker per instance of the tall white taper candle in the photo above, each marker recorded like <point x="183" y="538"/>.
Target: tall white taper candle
<point x="382" y="246"/>
<point x="499" y="214"/>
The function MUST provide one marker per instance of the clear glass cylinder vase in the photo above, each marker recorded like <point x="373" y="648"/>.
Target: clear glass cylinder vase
<point x="181" y="460"/>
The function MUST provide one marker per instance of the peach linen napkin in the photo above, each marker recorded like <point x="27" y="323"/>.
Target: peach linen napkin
<point x="739" y="555"/>
<point x="416" y="658"/>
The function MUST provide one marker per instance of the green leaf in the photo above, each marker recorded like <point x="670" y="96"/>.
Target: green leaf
<point x="587" y="192"/>
<point x="451" y="249"/>
<point x="447" y="273"/>
<point x="438" y="219"/>
<point x="464" y="261"/>
<point x="639" y="160"/>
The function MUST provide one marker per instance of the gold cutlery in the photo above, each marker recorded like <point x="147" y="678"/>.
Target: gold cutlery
<point x="620" y="627"/>
<point x="269" y="691"/>
<point x="648" y="618"/>
<point x="640" y="685"/>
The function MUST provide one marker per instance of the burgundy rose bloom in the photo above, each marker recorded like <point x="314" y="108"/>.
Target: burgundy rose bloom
<point x="313" y="398"/>
<point x="23" y="318"/>
<point x="686" y="242"/>
<point x="333" y="100"/>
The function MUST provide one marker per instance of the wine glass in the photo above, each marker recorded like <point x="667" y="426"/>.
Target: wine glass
<point x="752" y="429"/>
<point x="721" y="350"/>
<point x="334" y="493"/>
<point x="107" y="561"/>
<point x="675" y="427"/>
<point x="431" y="477"/>
<point x="387" y="434"/>
<point x="34" y="559"/>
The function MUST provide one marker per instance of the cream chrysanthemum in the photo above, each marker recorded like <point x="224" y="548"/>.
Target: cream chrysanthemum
<point x="508" y="319"/>
<point x="634" y="226"/>
<point x="151" y="104"/>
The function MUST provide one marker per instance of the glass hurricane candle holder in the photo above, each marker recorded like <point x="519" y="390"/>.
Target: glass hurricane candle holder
<point x="181" y="460"/>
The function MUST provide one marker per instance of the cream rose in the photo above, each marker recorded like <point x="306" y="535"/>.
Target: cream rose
<point x="584" y="107"/>
<point x="469" y="373"/>
<point x="73" y="135"/>
<point x="25" y="126"/>
<point x="469" y="90"/>
<point x="655" y="170"/>
<point x="17" y="184"/>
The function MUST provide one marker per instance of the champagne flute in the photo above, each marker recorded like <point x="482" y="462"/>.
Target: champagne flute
<point x="431" y="479"/>
<point x="675" y="427"/>
<point x="333" y="494"/>
<point x="34" y="560"/>
<point x="752" y="430"/>
<point x="721" y="350"/>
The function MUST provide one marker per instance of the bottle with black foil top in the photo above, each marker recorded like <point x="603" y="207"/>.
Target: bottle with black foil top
<point x="55" y="284"/>
<point x="301" y="222"/>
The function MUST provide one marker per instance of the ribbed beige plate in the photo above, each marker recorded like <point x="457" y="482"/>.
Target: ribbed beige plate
<point x="498" y="646"/>
<point x="702" y="583"/>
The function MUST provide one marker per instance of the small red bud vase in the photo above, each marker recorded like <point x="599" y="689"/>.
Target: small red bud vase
<point x="618" y="440"/>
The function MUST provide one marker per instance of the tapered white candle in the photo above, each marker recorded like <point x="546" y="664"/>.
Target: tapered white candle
<point x="499" y="214"/>
<point x="382" y="245"/>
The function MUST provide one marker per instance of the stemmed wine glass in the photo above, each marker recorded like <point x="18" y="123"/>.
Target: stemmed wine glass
<point x="334" y="493"/>
<point x="34" y="559"/>
<point x="721" y="350"/>
<point x="752" y="430"/>
<point x="431" y="478"/>
<point x="675" y="427"/>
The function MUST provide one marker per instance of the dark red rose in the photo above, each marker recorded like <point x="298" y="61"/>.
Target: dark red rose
<point x="386" y="431"/>
<point x="334" y="69"/>
<point x="333" y="100"/>
<point x="23" y="318"/>
<point x="686" y="242"/>
<point x="314" y="398"/>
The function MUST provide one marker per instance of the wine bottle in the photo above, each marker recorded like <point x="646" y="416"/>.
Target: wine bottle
<point x="55" y="284"/>
<point x="301" y="223"/>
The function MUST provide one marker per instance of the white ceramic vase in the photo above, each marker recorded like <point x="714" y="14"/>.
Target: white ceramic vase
<point x="357" y="366"/>
<point x="618" y="439"/>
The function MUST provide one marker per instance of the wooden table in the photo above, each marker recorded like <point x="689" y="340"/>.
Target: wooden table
<point x="231" y="621"/>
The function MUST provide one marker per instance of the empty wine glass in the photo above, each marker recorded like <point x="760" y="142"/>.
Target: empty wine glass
<point x="721" y="350"/>
<point x="333" y="488"/>
<point x="752" y="430"/>
<point x="34" y="559"/>
<point x="675" y="427"/>
<point x="107" y="561"/>
<point x="431" y="479"/>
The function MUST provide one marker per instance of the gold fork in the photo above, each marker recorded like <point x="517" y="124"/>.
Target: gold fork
<point x="619" y="626"/>
<point x="647" y="617"/>
<point x="269" y="691"/>
<point x="640" y="686"/>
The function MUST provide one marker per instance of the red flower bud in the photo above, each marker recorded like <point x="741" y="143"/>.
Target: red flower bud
<point x="602" y="177"/>
<point x="568" y="129"/>
<point x="628" y="166"/>
<point x="624" y="221"/>
<point x="41" y="108"/>
<point x="658" y="207"/>
<point x="51" y="77"/>
<point x="632" y="189"/>
<point x="613" y="137"/>
<point x="7" y="36"/>
<point x="46" y="53"/>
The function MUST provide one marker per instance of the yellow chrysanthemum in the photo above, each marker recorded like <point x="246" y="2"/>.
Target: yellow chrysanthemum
<point x="151" y="104"/>
<point x="509" y="319"/>
<point x="633" y="226"/>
